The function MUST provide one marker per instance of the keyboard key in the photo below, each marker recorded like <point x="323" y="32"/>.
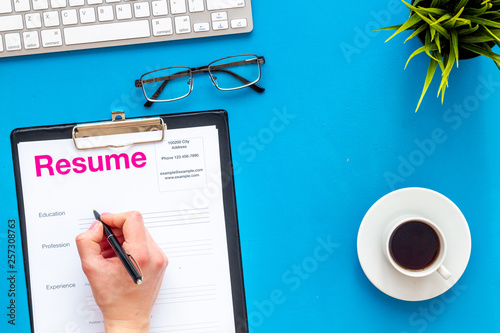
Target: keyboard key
<point x="11" y="22"/>
<point x="124" y="12"/>
<point x="33" y="20"/>
<point x="182" y="24"/>
<point x="162" y="26"/>
<point x="58" y="3"/>
<point x="94" y="2"/>
<point x="239" y="23"/>
<point x="159" y="7"/>
<point x="87" y="15"/>
<point x="224" y="4"/>
<point x="178" y="6"/>
<point x="74" y="3"/>
<point x="13" y="42"/>
<point x="219" y="16"/>
<point x="21" y="5"/>
<point x="220" y="25"/>
<point x="1" y="44"/>
<point x="201" y="27"/>
<point x="196" y="6"/>
<point x="141" y="9"/>
<point x="105" y="13"/>
<point x="51" y="19"/>
<point x="5" y="7"/>
<point x="51" y="38"/>
<point x="106" y="32"/>
<point x="69" y="16"/>
<point x="31" y="40"/>
<point x="40" y="4"/>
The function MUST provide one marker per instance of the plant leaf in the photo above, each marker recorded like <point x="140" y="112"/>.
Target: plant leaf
<point x="428" y="79"/>
<point x="446" y="72"/>
<point x="428" y="43"/>
<point x="410" y="7"/>
<point x="468" y="31"/>
<point x="443" y="18"/>
<point x="440" y="62"/>
<point x="477" y="11"/>
<point x="414" y="19"/>
<point x="434" y="3"/>
<point x="482" y="21"/>
<point x="416" y="32"/>
<point x="454" y="44"/>
<point x="437" y="26"/>
<point x="394" y="27"/>
<point x="461" y="22"/>
<point x="484" y="50"/>
<point x="433" y="33"/>
<point x="498" y="64"/>
<point x="421" y="49"/>
<point x="493" y="16"/>
<point x="489" y="32"/>
<point x="436" y="11"/>
<point x="438" y="43"/>
<point x="461" y="4"/>
<point x="452" y="21"/>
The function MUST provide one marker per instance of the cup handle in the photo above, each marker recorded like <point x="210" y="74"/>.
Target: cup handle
<point x="444" y="272"/>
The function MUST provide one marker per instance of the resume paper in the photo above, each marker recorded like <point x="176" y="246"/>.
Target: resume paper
<point x="176" y="185"/>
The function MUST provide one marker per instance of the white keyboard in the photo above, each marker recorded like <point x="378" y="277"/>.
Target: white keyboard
<point x="43" y="26"/>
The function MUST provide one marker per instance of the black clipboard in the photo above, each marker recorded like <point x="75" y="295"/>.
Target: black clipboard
<point x="160" y="123"/>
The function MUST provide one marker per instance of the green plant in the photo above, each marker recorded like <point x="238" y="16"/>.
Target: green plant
<point x="449" y="29"/>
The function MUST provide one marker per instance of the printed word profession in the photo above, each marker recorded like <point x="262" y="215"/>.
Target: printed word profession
<point x="91" y="163"/>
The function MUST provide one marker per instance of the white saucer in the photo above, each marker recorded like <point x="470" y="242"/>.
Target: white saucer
<point x="416" y="202"/>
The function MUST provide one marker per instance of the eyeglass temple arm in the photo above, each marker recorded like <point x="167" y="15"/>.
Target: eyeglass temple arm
<point x="157" y="93"/>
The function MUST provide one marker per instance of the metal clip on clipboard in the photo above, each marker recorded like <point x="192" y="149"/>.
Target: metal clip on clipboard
<point x="118" y="132"/>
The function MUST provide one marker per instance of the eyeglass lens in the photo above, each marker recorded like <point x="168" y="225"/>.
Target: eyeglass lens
<point x="167" y="84"/>
<point x="235" y="72"/>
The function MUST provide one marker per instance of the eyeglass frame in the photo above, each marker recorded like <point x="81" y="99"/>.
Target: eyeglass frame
<point x="197" y="70"/>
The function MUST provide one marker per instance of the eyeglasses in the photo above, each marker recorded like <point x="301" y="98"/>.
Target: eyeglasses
<point x="229" y="73"/>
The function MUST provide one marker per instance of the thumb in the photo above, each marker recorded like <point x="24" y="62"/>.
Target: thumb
<point x="88" y="243"/>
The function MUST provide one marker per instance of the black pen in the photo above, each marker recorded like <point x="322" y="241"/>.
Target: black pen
<point x="124" y="257"/>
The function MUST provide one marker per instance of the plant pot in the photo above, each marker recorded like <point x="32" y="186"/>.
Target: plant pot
<point x="463" y="54"/>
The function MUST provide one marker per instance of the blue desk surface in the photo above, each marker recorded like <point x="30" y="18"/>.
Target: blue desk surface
<point x="311" y="154"/>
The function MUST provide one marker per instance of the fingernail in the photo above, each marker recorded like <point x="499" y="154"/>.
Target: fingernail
<point x="94" y="224"/>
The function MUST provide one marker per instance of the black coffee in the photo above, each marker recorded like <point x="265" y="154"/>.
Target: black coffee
<point x="414" y="245"/>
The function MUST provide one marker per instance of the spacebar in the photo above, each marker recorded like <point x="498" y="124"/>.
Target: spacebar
<point x="106" y="32"/>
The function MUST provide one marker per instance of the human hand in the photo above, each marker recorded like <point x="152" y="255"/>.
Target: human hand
<point x="126" y="307"/>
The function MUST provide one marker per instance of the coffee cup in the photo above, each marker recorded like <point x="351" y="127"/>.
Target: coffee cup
<point x="415" y="247"/>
